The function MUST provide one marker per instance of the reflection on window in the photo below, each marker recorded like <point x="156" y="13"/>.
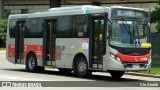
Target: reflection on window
<point x="12" y="26"/>
<point x="34" y="28"/>
<point x="31" y="28"/>
<point x="64" y="26"/>
<point x="126" y="33"/>
<point x="80" y="26"/>
<point x="39" y="33"/>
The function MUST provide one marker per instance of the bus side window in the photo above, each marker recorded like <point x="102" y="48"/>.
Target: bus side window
<point x="31" y="28"/>
<point x="39" y="33"/>
<point x="12" y="26"/>
<point x="80" y="26"/>
<point x="64" y="27"/>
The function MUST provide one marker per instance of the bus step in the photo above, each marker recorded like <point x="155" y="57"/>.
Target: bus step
<point x="49" y="67"/>
<point x="95" y="69"/>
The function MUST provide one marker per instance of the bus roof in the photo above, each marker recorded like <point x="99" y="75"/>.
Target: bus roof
<point x="122" y="7"/>
<point x="84" y="9"/>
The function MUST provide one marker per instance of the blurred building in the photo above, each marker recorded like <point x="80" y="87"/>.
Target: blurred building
<point x="30" y="6"/>
<point x="20" y="6"/>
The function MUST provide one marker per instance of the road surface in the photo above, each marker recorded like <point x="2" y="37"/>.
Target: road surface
<point x="13" y="72"/>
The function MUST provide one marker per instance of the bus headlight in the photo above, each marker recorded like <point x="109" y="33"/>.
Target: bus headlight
<point x="115" y="57"/>
<point x="112" y="56"/>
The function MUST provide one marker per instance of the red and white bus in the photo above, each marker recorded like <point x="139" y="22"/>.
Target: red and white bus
<point x="81" y="39"/>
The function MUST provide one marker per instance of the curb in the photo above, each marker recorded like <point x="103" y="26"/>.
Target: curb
<point x="142" y="74"/>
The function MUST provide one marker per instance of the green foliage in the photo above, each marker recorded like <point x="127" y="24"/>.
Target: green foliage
<point x="154" y="71"/>
<point x="155" y="61"/>
<point x="2" y="49"/>
<point x="155" y="16"/>
<point x="3" y="27"/>
<point x="3" y="31"/>
<point x="158" y="26"/>
<point x="6" y="14"/>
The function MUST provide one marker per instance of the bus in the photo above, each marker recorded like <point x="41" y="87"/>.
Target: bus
<point x="82" y="39"/>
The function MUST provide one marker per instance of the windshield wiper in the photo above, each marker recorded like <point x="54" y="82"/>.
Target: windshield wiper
<point x="128" y="31"/>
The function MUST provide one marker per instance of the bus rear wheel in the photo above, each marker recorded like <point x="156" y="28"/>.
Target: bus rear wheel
<point x="116" y="74"/>
<point x="81" y="68"/>
<point x="31" y="64"/>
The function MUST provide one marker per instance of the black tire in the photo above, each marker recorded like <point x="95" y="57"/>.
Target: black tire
<point x="31" y="63"/>
<point x="81" y="68"/>
<point x="64" y="70"/>
<point x="116" y="74"/>
<point x="40" y="68"/>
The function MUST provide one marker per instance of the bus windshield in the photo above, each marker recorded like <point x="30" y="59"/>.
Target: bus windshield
<point x="129" y="33"/>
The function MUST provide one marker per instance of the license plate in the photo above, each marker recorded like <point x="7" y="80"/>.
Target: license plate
<point x="136" y="66"/>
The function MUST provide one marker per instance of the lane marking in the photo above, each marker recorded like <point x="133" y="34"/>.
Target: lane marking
<point x="21" y="78"/>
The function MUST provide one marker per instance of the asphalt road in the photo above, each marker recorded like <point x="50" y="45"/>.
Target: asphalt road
<point x="100" y="81"/>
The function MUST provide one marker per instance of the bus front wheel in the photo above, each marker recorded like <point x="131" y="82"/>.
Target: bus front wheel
<point x="81" y="67"/>
<point x="116" y="74"/>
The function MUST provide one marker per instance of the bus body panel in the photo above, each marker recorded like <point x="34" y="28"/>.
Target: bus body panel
<point x="36" y="44"/>
<point x="67" y="48"/>
<point x="10" y="51"/>
<point x="28" y="47"/>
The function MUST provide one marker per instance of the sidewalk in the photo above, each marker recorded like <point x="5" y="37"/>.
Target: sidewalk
<point x="142" y="74"/>
<point x="2" y="51"/>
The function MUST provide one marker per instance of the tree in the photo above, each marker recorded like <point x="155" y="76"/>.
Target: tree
<point x="155" y="16"/>
<point x="3" y="30"/>
<point x="158" y="26"/>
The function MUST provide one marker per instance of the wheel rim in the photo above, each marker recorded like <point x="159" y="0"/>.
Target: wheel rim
<point x="82" y="67"/>
<point x="31" y="63"/>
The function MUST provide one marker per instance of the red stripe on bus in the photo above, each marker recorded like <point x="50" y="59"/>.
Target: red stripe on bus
<point x="57" y="55"/>
<point x="37" y="49"/>
<point x="128" y="58"/>
<point x="11" y="50"/>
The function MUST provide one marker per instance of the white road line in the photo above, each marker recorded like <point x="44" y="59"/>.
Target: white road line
<point x="59" y="78"/>
<point x="21" y="78"/>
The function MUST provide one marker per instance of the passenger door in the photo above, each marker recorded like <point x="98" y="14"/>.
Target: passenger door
<point x="49" y="42"/>
<point x="19" y="41"/>
<point x="97" y="41"/>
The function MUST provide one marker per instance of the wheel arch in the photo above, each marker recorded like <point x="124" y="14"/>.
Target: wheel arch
<point x="30" y="52"/>
<point x="77" y="56"/>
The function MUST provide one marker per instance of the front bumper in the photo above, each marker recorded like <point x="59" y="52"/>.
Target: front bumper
<point x="120" y="66"/>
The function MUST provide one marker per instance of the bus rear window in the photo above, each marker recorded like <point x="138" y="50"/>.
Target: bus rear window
<point x="12" y="26"/>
